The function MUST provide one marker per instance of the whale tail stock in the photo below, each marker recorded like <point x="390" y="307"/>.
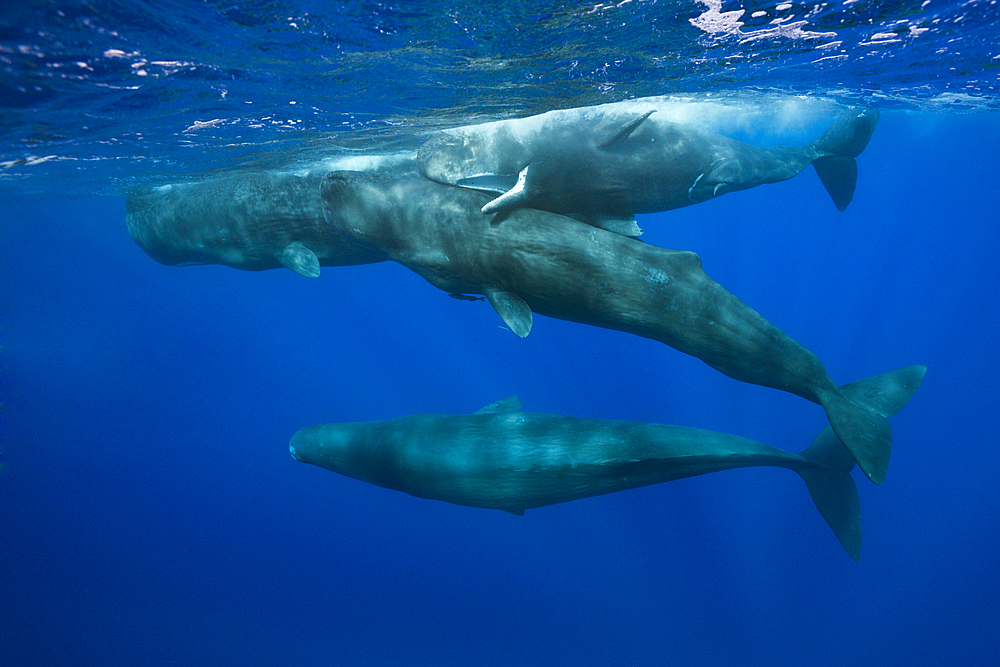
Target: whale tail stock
<point x="830" y="483"/>
<point x="836" y="149"/>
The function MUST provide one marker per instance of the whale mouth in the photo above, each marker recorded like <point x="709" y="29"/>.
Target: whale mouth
<point x="295" y="454"/>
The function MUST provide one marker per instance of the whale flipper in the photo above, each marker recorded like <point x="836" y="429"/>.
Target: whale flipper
<point x="495" y="183"/>
<point x="514" y="197"/>
<point x="512" y="310"/>
<point x="505" y="406"/>
<point x="831" y="486"/>
<point x="300" y="259"/>
<point x="465" y="297"/>
<point x="858" y="416"/>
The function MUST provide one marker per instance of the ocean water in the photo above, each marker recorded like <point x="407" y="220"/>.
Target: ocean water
<point x="150" y="513"/>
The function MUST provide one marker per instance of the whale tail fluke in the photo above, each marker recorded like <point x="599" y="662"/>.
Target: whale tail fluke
<point x="833" y="490"/>
<point x="865" y="433"/>
<point x="839" y="176"/>
<point x="858" y="414"/>
<point x="836" y="149"/>
<point x="830" y="484"/>
<point x="849" y="134"/>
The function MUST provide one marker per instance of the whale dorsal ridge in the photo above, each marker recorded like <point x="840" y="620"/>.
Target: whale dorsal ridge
<point x="512" y="310"/>
<point x="300" y="259"/>
<point x="626" y="130"/>
<point x="507" y="405"/>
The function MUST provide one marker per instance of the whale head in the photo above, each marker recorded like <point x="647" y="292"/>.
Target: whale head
<point x="247" y="220"/>
<point x="330" y="446"/>
<point x="366" y="451"/>
<point x="164" y="225"/>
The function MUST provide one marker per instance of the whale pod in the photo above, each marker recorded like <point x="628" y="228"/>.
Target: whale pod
<point x="528" y="261"/>
<point x="522" y="261"/>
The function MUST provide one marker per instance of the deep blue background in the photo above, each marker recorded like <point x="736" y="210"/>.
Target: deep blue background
<point x="150" y="512"/>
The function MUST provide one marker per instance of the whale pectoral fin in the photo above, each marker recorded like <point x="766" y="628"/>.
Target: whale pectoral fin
<point x="498" y="183"/>
<point x="839" y="176"/>
<point x="514" y="512"/>
<point x="300" y="259"/>
<point x="505" y="406"/>
<point x="624" y="226"/>
<point x="513" y="198"/>
<point x="625" y="131"/>
<point x="512" y="310"/>
<point x="465" y="297"/>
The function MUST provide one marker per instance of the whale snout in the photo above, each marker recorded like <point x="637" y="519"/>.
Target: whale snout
<point x="304" y="445"/>
<point x="329" y="446"/>
<point x="159" y="225"/>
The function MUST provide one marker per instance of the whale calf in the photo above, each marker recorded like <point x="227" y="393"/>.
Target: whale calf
<point x="523" y="261"/>
<point x="607" y="163"/>
<point x="501" y="458"/>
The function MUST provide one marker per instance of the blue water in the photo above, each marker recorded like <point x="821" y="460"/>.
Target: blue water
<point x="149" y="510"/>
